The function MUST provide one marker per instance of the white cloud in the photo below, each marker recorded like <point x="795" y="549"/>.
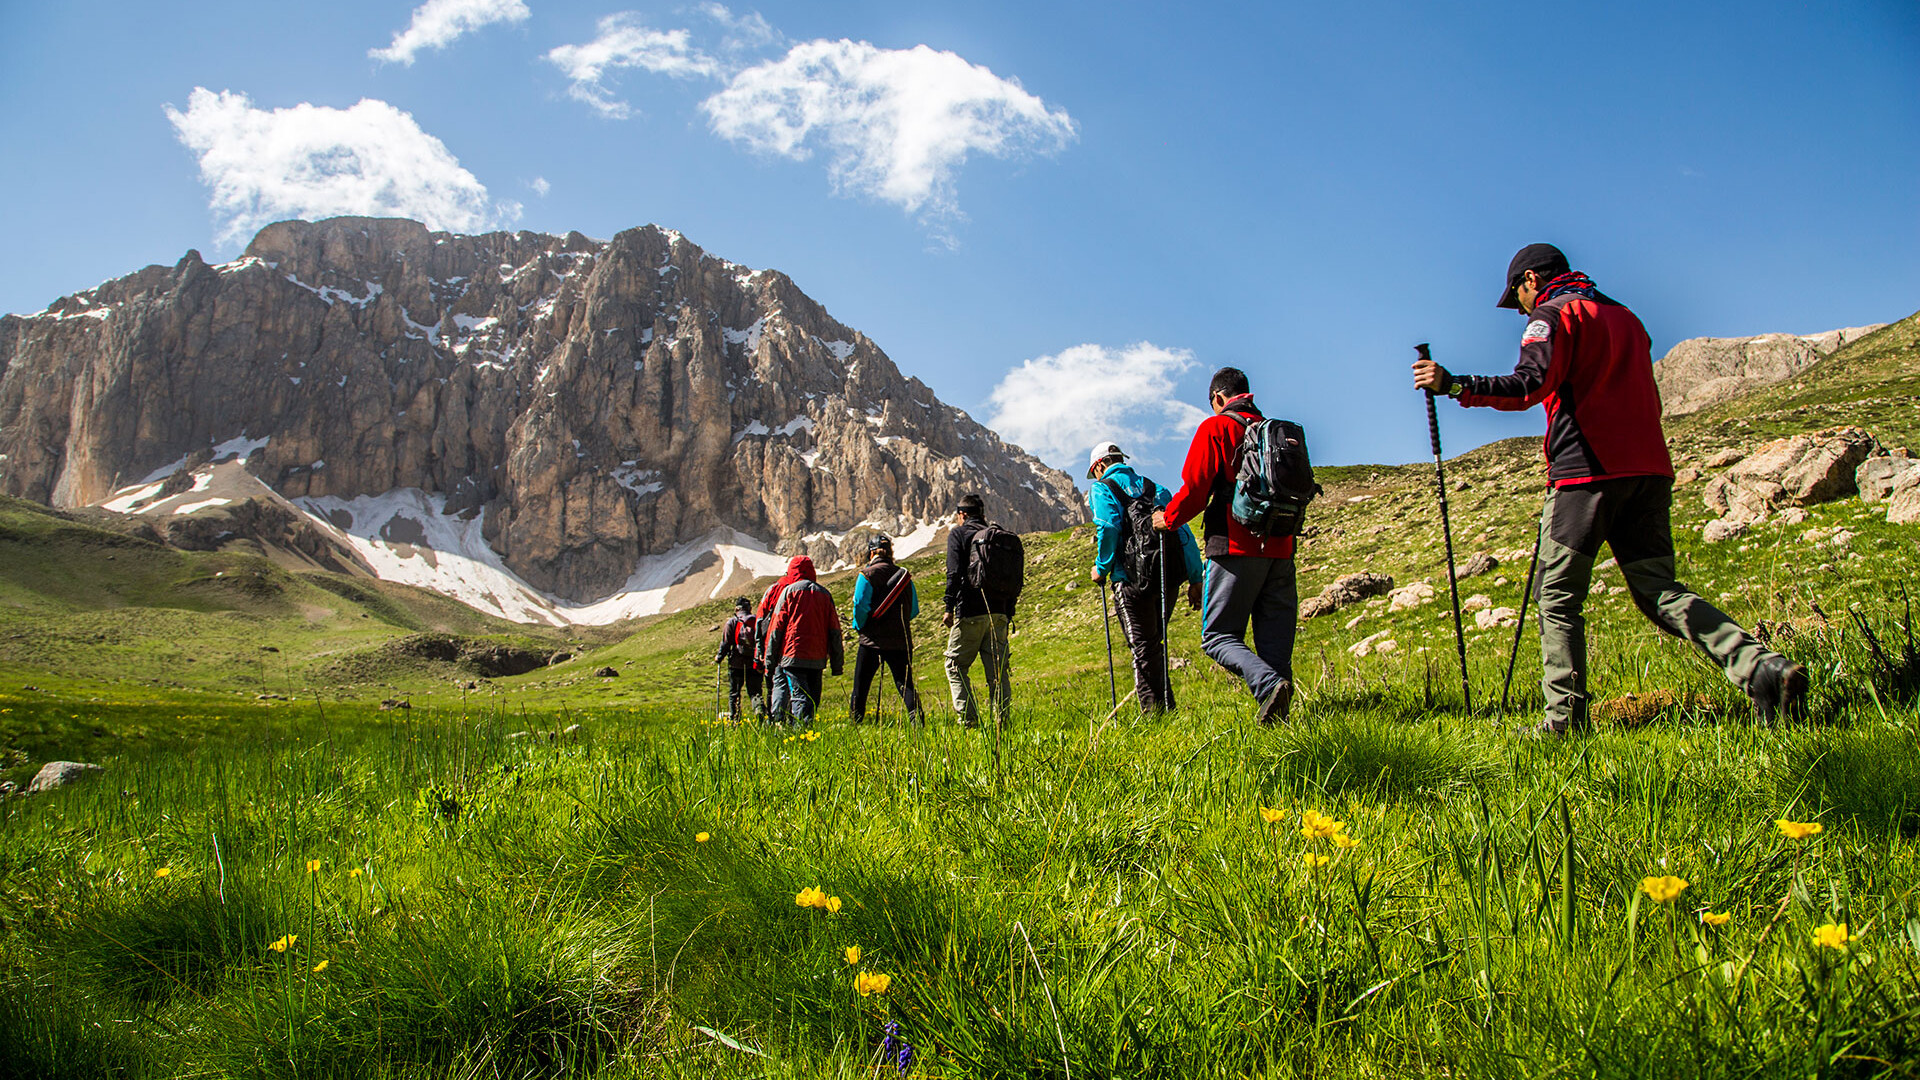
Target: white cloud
<point x="437" y="23"/>
<point x="540" y="186"/>
<point x="311" y="162"/>
<point x="895" y="124"/>
<point x="744" y="32"/>
<point x="625" y="43"/>
<point x="1058" y="406"/>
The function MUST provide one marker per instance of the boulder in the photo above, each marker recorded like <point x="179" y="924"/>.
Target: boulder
<point x="606" y="673"/>
<point x="1723" y="529"/>
<point x="1349" y="589"/>
<point x="1878" y="476"/>
<point x="1799" y="469"/>
<point x="1903" y="506"/>
<point x="1725" y="457"/>
<point x="1488" y="618"/>
<point x="1482" y="562"/>
<point x="1476" y="602"/>
<point x="1373" y="643"/>
<point x="1409" y="596"/>
<point x="61" y="773"/>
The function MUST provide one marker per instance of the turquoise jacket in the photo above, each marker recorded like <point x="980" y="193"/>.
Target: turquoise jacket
<point x="1106" y="523"/>
<point x="864" y="600"/>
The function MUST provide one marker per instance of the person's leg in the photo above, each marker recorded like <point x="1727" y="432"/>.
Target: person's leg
<point x="1276" y="617"/>
<point x="756" y="693"/>
<point x="777" y="696"/>
<point x="996" y="655"/>
<point x="1234" y="583"/>
<point x="803" y="690"/>
<point x="1641" y="537"/>
<point x="1570" y="526"/>
<point x="1167" y="602"/>
<point x="866" y="662"/>
<point x="899" y="661"/>
<point x="1135" y="609"/>
<point x="736" y="677"/>
<point x="963" y="644"/>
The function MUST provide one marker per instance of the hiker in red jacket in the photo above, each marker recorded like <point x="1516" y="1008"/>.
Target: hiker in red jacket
<point x="803" y="639"/>
<point x="1590" y="362"/>
<point x="763" y="621"/>
<point x="1249" y="578"/>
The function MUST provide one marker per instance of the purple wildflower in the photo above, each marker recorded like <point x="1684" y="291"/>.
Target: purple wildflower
<point x="897" y="1049"/>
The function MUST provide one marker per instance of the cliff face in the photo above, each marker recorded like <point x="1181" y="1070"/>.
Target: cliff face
<point x="584" y="404"/>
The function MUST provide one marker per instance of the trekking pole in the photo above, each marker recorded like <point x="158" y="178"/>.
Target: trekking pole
<point x="1446" y="530"/>
<point x="1166" y="632"/>
<point x="1106" y="623"/>
<point x="1526" y="593"/>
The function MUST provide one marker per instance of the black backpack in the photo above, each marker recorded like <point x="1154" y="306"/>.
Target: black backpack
<point x="1143" y="551"/>
<point x="1274" y="482"/>
<point x="996" y="563"/>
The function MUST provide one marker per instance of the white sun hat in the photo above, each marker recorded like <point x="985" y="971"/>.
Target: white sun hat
<point x="1101" y="452"/>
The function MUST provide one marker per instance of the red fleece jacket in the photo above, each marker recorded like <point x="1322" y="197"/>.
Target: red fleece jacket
<point x="806" y="625"/>
<point x="1207" y="488"/>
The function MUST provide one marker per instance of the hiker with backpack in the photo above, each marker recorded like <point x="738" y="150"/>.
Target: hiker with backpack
<point x="986" y="568"/>
<point x="1146" y="567"/>
<point x="803" y="639"/>
<point x="885" y="603"/>
<point x="1249" y="481"/>
<point x="737" y="652"/>
<point x="766" y="661"/>
<point x="1589" y="360"/>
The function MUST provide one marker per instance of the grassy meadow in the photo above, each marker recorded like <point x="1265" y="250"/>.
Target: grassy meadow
<point x="562" y="873"/>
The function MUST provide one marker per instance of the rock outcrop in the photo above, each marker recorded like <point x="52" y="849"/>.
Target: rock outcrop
<point x="1799" y="470"/>
<point x="575" y="406"/>
<point x="1700" y="372"/>
<point x="1348" y="589"/>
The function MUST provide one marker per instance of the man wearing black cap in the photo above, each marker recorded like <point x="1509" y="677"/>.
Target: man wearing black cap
<point x="978" y="623"/>
<point x="736" y="651"/>
<point x="1589" y="361"/>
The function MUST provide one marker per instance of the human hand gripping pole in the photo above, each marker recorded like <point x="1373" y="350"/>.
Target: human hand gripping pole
<point x="1446" y="530"/>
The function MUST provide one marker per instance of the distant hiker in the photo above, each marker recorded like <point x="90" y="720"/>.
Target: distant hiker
<point x="1146" y="568"/>
<point x="1249" y="577"/>
<point x="763" y="623"/>
<point x="885" y="603"/>
<point x="804" y="639"/>
<point x="1589" y="360"/>
<point x="737" y="652"/>
<point x="986" y="567"/>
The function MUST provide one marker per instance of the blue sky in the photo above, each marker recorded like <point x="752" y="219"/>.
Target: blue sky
<point x="1088" y="207"/>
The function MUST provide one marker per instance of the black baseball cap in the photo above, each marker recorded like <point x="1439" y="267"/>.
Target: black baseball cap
<point x="1543" y="259"/>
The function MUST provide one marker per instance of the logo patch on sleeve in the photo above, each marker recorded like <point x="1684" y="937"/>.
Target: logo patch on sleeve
<point x="1537" y="330"/>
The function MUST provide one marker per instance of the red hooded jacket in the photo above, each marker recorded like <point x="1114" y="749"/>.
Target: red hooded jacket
<point x="805" y="631"/>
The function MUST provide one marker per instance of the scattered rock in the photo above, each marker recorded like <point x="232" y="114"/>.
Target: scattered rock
<point x="1491" y="617"/>
<point x="1372" y="643"/>
<point x="1355" y="621"/>
<point x="1878" y="476"/>
<point x="1607" y="564"/>
<point x="606" y="673"/>
<point x="512" y="735"/>
<point x="263" y="648"/>
<point x="1793" y="515"/>
<point x="1349" y="589"/>
<point x="1725" y="458"/>
<point x="1722" y="529"/>
<point x="1179" y="663"/>
<point x="1409" y="596"/>
<point x="1687" y="475"/>
<point x="1476" y="602"/>
<point x="394" y="703"/>
<point x="561" y="658"/>
<point x="1799" y="469"/>
<point x="1841" y="538"/>
<point x="269" y="697"/>
<point x="1482" y="562"/>
<point x="1903" y="506"/>
<point x="61" y="773"/>
<point x="570" y="729"/>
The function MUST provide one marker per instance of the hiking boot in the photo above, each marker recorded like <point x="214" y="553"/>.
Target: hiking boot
<point x="1274" y="710"/>
<point x="1547" y="730"/>
<point x="1778" y="690"/>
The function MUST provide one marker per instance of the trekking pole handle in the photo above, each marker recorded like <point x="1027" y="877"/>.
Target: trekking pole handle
<point x="1433" y="418"/>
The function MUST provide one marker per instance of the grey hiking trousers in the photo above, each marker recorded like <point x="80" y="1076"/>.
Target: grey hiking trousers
<point x="984" y="636"/>
<point x="1256" y="589"/>
<point x="1631" y="515"/>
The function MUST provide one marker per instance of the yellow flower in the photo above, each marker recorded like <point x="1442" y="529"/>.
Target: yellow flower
<point x="319" y="967"/>
<point x="1313" y="861"/>
<point x="811" y="736"/>
<point x="832" y="904"/>
<point x="355" y="872"/>
<point x="283" y="944"/>
<point x="853" y="954"/>
<point x="1799" y="830"/>
<point x="1663" y="889"/>
<point x="1833" y="936"/>
<point x="786" y="740"/>
<point x="700" y="838"/>
<point x="875" y="983"/>
<point x="1314" y="824"/>
<point x="313" y="866"/>
<point x="163" y="871"/>
<point x="811" y="896"/>
<point x="1342" y="840"/>
<point x="1711" y="919"/>
<point x="1270" y="815"/>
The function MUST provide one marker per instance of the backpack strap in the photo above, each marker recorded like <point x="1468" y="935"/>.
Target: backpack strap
<point x="894" y="592"/>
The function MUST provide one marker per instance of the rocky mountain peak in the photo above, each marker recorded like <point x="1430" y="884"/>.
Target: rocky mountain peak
<point x="594" y="415"/>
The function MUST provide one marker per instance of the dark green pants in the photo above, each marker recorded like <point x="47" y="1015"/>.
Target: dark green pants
<point x="1631" y="515"/>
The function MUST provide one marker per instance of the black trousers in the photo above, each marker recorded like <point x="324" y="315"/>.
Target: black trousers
<point x="866" y="664"/>
<point x="737" y="678"/>
<point x="1143" y="619"/>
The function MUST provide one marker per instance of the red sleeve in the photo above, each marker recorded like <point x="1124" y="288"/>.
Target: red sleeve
<point x="1211" y="453"/>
